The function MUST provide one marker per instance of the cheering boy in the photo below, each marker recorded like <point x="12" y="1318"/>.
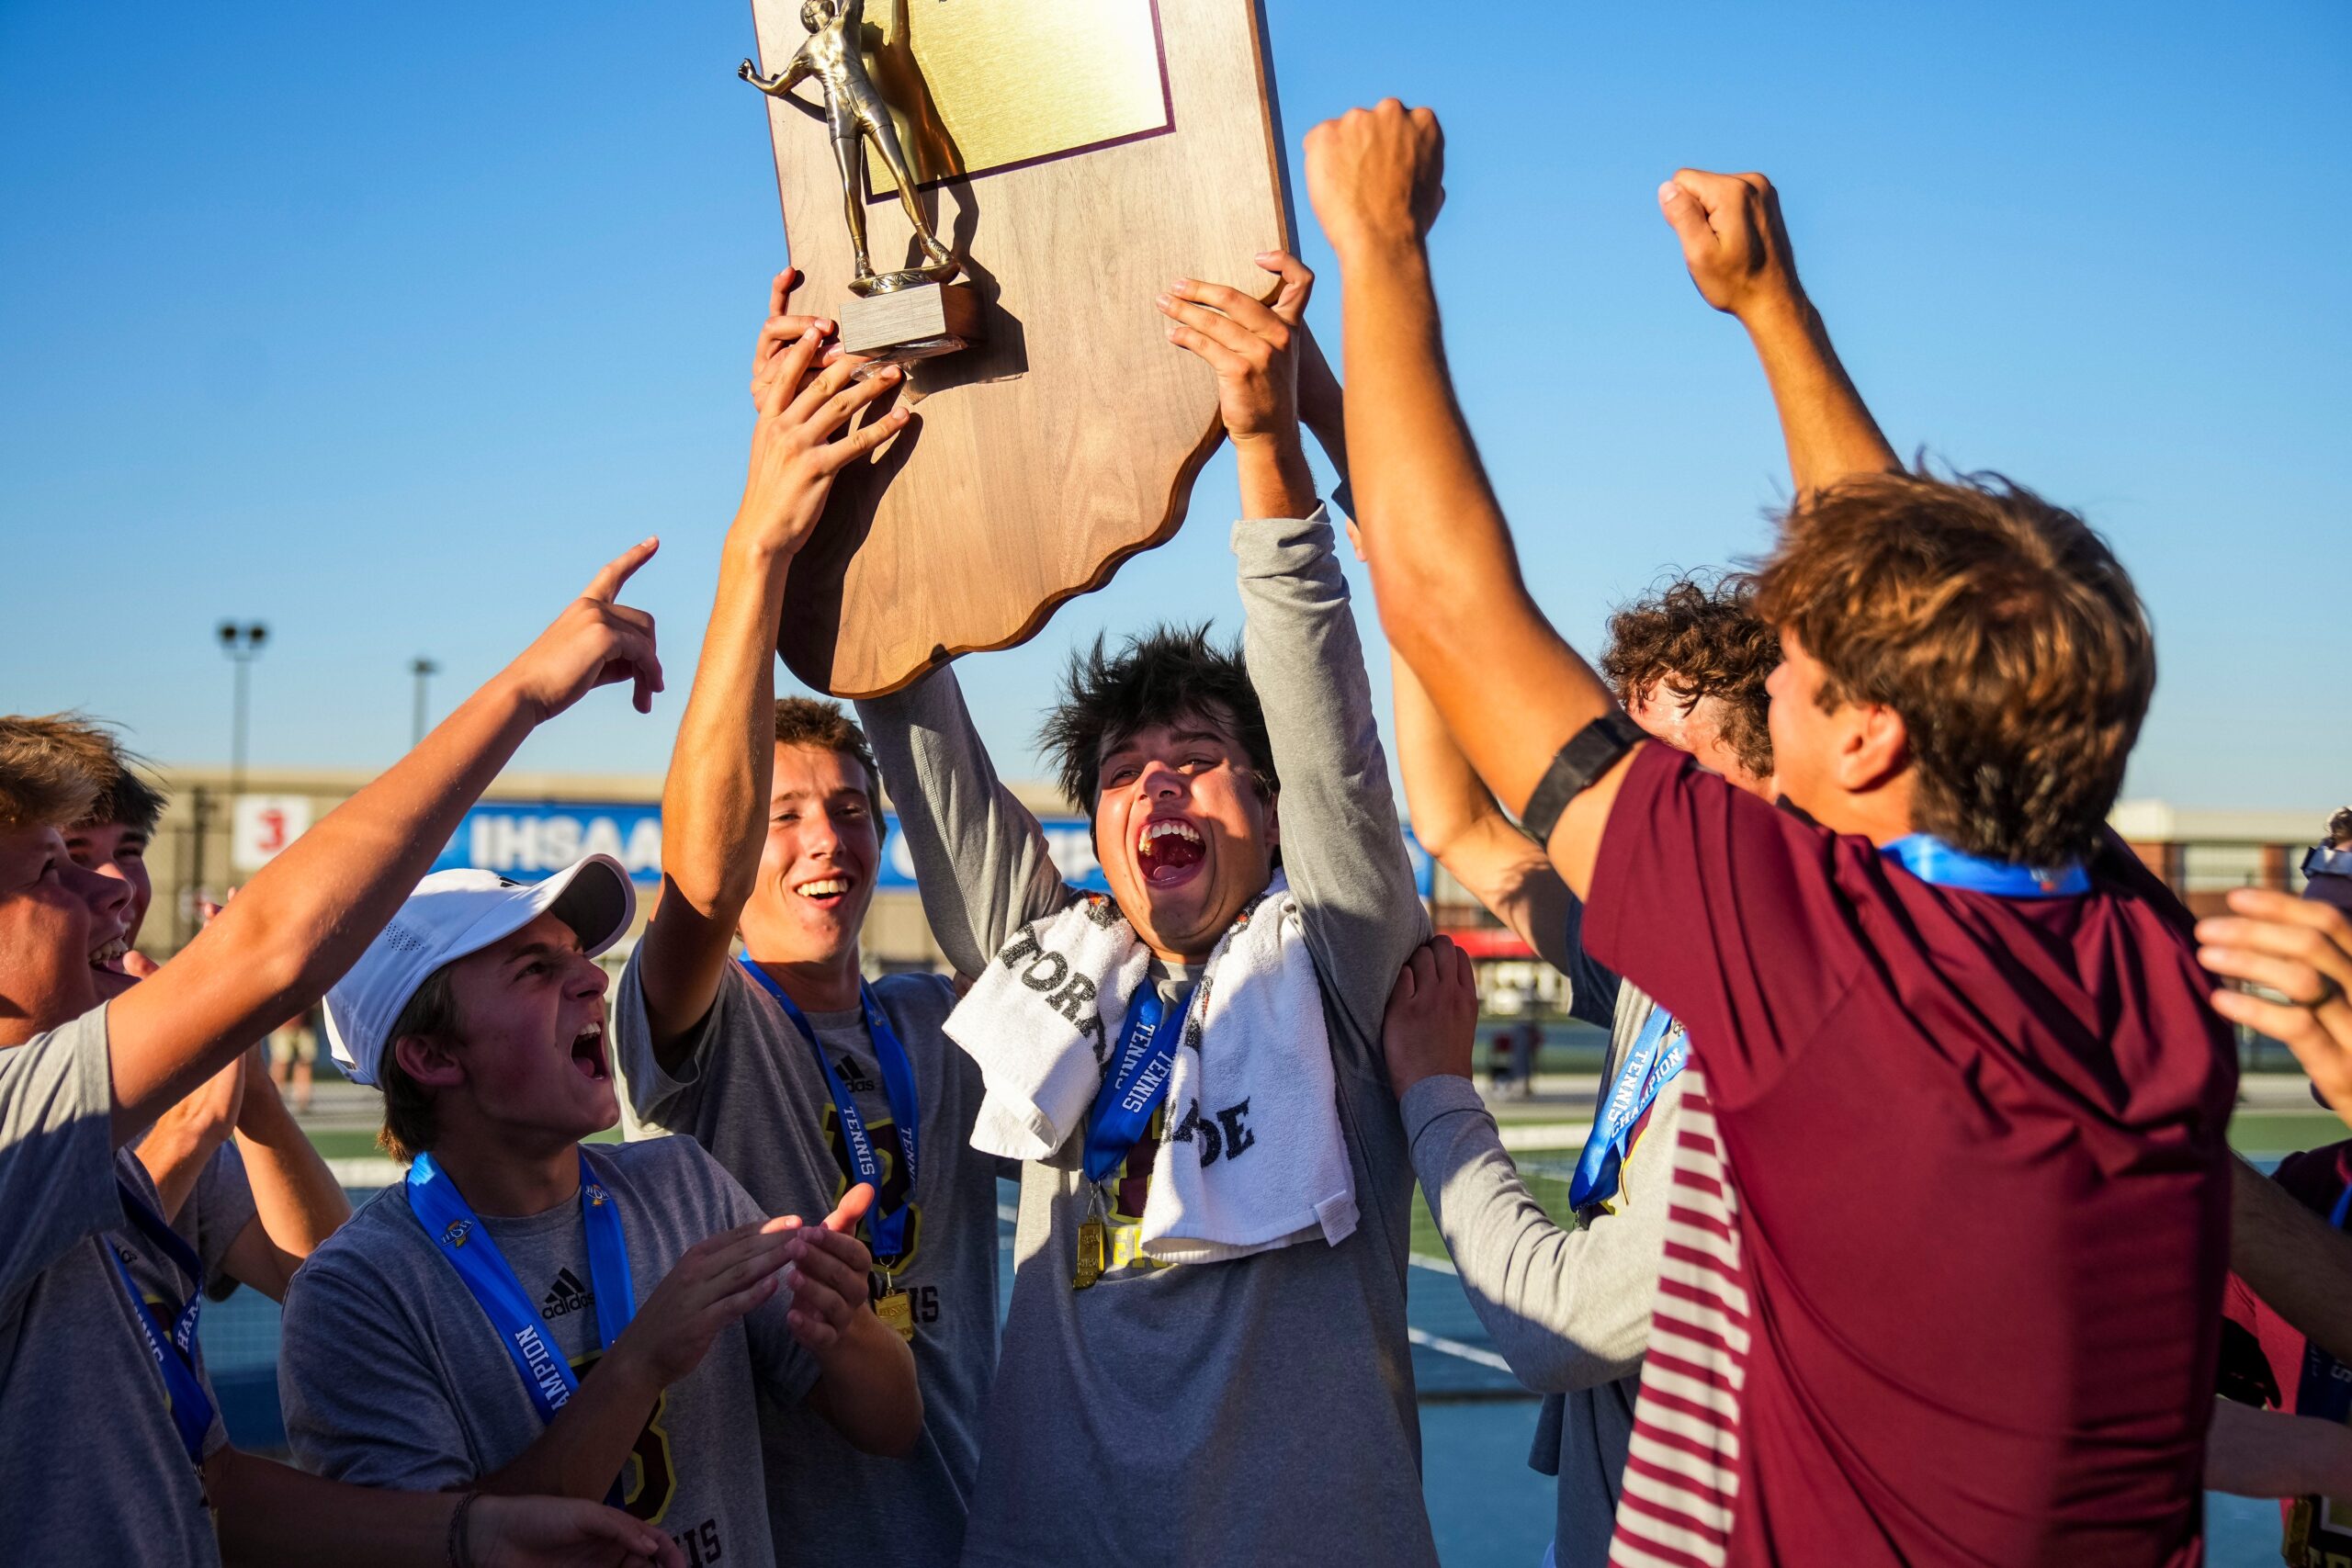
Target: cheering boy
<point x="1951" y="1200"/>
<point x="446" y="1338"/>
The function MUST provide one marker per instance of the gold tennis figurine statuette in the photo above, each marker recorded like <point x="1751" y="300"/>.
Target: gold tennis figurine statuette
<point x="903" y="314"/>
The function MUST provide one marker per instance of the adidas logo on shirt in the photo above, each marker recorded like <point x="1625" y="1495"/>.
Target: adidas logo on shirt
<point x="854" y="1076"/>
<point x="566" y="1294"/>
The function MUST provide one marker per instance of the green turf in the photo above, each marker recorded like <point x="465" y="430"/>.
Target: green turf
<point x="360" y="1142"/>
<point x="2283" y="1132"/>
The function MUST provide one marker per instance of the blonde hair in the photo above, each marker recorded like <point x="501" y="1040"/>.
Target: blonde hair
<point x="52" y="769"/>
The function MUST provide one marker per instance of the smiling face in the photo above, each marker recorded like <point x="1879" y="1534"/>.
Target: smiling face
<point x="115" y="849"/>
<point x="818" y="866"/>
<point x="530" y="1055"/>
<point x="1184" y="832"/>
<point x="62" y="928"/>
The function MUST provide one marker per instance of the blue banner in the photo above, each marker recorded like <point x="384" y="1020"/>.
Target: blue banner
<point x="530" y="839"/>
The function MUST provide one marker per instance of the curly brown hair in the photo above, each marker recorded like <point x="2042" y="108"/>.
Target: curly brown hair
<point x="2000" y="627"/>
<point x="1699" y="636"/>
<point x="2339" y="829"/>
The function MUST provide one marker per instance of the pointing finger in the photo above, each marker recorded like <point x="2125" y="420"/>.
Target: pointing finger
<point x="607" y="584"/>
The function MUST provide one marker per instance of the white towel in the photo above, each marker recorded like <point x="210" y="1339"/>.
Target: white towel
<point x="1253" y="1158"/>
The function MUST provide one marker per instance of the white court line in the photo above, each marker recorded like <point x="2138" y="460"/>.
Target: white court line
<point x="1438" y="1265"/>
<point x="367" y="1170"/>
<point x="1008" y="1214"/>
<point x="1455" y="1348"/>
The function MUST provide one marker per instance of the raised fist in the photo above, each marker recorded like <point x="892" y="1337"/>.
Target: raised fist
<point x="1733" y="239"/>
<point x="1377" y="175"/>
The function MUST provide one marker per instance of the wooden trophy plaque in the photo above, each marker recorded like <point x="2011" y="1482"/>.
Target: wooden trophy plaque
<point x="1075" y="157"/>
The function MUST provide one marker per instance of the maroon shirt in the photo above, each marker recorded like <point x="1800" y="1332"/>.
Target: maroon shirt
<point x="2262" y="1362"/>
<point x="1981" y="1213"/>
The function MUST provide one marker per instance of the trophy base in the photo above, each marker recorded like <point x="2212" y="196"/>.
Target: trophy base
<point x="907" y="354"/>
<point x="866" y="287"/>
<point x="936" y="319"/>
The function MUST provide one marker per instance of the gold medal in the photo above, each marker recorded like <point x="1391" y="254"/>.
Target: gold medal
<point x="897" y="1311"/>
<point x="1090" y="1254"/>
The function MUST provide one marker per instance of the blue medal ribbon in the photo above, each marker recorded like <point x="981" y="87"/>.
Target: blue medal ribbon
<point x="1931" y="860"/>
<point x="450" y="1221"/>
<point x="171" y="1340"/>
<point x="886" y="1233"/>
<point x="1135" y="1084"/>
<point x="1649" y="1066"/>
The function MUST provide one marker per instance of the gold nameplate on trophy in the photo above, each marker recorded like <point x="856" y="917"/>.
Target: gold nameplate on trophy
<point x="984" y="84"/>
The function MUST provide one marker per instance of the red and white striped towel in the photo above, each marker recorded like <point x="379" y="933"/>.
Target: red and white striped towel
<point x="1681" y="1480"/>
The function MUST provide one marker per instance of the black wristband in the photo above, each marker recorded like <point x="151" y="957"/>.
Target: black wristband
<point x="461" y="1545"/>
<point x="1590" y="753"/>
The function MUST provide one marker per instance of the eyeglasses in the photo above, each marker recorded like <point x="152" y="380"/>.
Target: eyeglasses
<point x="2324" y="862"/>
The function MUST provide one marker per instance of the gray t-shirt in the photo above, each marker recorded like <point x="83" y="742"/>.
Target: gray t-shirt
<point x="1568" y="1306"/>
<point x="752" y="1093"/>
<point x="391" y="1374"/>
<point x="1258" y="1410"/>
<point x="95" y="1473"/>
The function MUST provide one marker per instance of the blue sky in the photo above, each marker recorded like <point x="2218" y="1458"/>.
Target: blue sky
<point x="387" y="324"/>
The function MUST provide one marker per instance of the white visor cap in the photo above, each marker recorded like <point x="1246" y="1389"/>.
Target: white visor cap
<point x="451" y="915"/>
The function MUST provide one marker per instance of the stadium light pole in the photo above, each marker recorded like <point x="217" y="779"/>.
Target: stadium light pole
<point x="424" y="669"/>
<point x="243" y="644"/>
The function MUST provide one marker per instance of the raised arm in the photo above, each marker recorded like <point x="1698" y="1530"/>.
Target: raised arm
<point x="1568" y="1306"/>
<point x="298" y="1203"/>
<point x="1737" y="250"/>
<point x="1456" y="820"/>
<point x="715" y="801"/>
<point x="302" y="921"/>
<point x="1342" y="849"/>
<point x="1508" y="688"/>
<point x="185" y="1137"/>
<point x="980" y="858"/>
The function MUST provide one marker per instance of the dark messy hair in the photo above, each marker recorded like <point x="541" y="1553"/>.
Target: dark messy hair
<point x="1161" y="676"/>
<point x="2339" y="829"/>
<point x="1700" y="637"/>
<point x="808" y="721"/>
<point x="126" y="798"/>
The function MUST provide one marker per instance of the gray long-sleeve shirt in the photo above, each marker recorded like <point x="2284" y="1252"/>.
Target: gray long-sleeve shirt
<point x="1259" y="1410"/>
<point x="1567" y="1307"/>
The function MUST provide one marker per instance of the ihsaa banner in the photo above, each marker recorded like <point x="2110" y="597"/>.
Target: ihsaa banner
<point x="530" y="840"/>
